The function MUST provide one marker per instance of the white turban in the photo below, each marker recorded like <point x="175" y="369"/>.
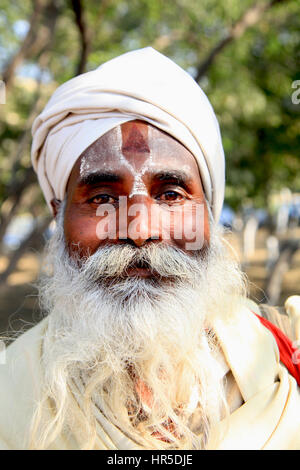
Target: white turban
<point x="141" y="84"/>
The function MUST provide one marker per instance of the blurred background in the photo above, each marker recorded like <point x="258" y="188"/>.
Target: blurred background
<point x="245" y="56"/>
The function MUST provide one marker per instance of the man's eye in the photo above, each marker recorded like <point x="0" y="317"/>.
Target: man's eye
<point x="103" y="199"/>
<point x="170" y="196"/>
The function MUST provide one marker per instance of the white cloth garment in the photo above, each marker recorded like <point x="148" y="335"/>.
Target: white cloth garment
<point x="141" y="84"/>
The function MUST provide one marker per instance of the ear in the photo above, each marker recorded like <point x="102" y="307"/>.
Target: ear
<point x="55" y="204"/>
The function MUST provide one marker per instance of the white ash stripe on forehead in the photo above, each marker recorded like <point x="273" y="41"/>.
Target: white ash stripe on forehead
<point x="116" y="142"/>
<point x="157" y="145"/>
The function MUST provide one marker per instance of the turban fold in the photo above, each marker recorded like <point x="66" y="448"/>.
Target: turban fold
<point x="141" y="84"/>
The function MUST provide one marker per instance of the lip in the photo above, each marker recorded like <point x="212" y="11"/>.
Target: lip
<point x="139" y="272"/>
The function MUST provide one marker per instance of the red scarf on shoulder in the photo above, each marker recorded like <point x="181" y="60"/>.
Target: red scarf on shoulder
<point x="289" y="355"/>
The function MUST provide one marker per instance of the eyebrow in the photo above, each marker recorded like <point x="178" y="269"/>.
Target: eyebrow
<point x="98" y="177"/>
<point x="180" y="177"/>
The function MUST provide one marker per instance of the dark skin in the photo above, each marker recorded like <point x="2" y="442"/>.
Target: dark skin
<point x="151" y="169"/>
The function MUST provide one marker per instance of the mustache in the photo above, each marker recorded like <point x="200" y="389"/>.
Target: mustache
<point x="164" y="261"/>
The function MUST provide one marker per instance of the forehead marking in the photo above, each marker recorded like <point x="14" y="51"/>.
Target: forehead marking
<point x="135" y="141"/>
<point x="119" y="144"/>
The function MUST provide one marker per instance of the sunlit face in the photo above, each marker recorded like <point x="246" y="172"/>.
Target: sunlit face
<point x="135" y="184"/>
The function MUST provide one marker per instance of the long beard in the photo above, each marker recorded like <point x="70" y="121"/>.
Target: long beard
<point x="144" y="348"/>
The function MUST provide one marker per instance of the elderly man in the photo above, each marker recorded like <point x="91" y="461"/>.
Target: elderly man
<point x="148" y="340"/>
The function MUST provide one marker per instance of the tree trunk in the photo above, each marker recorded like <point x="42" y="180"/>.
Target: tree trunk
<point x="85" y="36"/>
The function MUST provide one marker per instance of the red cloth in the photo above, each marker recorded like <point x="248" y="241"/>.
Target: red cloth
<point x="289" y="355"/>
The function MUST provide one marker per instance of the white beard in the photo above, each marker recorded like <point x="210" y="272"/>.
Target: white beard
<point x="120" y="332"/>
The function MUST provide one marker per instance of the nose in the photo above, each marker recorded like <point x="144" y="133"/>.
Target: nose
<point x="142" y="226"/>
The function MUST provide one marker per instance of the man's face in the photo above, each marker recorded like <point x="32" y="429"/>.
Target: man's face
<point x="137" y="185"/>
